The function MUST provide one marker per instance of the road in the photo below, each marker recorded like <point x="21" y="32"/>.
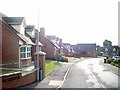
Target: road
<point x="90" y="73"/>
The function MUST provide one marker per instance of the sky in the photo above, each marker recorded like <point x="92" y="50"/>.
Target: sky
<point x="75" y="21"/>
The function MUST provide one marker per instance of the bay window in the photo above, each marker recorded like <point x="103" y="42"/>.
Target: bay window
<point x="25" y="52"/>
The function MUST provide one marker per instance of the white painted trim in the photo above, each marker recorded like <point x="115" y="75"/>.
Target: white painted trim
<point x="24" y="52"/>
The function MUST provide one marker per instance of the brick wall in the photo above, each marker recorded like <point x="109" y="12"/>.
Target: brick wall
<point x="49" y="49"/>
<point x="0" y="43"/>
<point x="10" y="48"/>
<point x="25" y="62"/>
<point x="18" y="80"/>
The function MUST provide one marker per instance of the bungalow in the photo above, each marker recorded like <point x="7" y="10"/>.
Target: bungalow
<point x="85" y="50"/>
<point x="16" y="47"/>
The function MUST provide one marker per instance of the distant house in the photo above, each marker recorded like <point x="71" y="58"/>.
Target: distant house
<point x="50" y="46"/>
<point x="16" y="47"/>
<point x="85" y="50"/>
<point x="110" y="50"/>
<point x="67" y="50"/>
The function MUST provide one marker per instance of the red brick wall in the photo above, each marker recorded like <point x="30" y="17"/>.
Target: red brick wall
<point x="10" y="47"/>
<point x="48" y="48"/>
<point x="21" y="81"/>
<point x="25" y="62"/>
<point x="33" y="51"/>
<point x="0" y="43"/>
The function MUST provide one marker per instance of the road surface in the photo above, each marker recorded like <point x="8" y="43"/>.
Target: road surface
<point x="90" y="73"/>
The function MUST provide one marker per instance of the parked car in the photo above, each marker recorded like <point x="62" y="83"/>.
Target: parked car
<point x="116" y="57"/>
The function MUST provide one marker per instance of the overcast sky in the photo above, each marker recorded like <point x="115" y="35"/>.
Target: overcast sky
<point x="75" y="21"/>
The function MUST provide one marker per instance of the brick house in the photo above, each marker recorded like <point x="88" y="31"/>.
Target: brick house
<point x="68" y="50"/>
<point x="31" y="32"/>
<point x="50" y="45"/>
<point x="110" y="51"/>
<point x="16" y="47"/>
<point x="85" y="50"/>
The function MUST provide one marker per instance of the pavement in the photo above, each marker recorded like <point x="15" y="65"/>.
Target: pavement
<point x="110" y="67"/>
<point x="56" y="78"/>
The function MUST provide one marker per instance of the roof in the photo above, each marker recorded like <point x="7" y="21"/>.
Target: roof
<point x="34" y="40"/>
<point x="66" y="44"/>
<point x="17" y="34"/>
<point x="29" y="28"/>
<point x="54" y="44"/>
<point x="13" y="20"/>
<point x="26" y="39"/>
<point x="86" y="47"/>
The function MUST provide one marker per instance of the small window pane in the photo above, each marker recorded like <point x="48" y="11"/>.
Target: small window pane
<point x="28" y="48"/>
<point x="22" y="49"/>
<point x="28" y="54"/>
<point x="22" y="55"/>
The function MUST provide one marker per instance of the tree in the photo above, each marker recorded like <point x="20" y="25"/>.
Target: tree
<point x="107" y="43"/>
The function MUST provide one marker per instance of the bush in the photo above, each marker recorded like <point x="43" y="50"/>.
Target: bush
<point x="112" y="63"/>
<point x="64" y="59"/>
<point x="109" y="60"/>
<point x="117" y="65"/>
<point x="115" y="61"/>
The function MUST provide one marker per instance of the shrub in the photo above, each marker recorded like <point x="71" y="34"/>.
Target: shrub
<point x="64" y="59"/>
<point x="117" y="65"/>
<point x="109" y="60"/>
<point x="112" y="63"/>
<point x="115" y="61"/>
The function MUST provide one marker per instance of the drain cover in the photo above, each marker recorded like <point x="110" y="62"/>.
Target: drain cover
<point x="55" y="82"/>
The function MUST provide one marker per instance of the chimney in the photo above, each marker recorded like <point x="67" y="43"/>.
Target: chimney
<point x="60" y="41"/>
<point x="42" y="35"/>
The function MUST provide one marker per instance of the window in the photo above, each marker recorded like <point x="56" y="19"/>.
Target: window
<point x="25" y="52"/>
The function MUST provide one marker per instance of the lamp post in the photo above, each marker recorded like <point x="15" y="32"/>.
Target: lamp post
<point x="37" y="50"/>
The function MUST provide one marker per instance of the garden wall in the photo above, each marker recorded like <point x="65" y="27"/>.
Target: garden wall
<point x="17" y="79"/>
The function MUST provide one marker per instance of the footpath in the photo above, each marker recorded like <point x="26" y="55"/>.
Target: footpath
<point x="110" y="67"/>
<point x="54" y="79"/>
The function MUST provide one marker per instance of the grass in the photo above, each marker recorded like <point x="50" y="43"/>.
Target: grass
<point x="50" y="66"/>
<point x="2" y="72"/>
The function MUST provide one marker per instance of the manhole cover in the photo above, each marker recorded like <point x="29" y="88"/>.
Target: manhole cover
<point x="55" y="82"/>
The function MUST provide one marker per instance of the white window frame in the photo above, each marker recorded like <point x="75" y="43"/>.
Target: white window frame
<point x="26" y="52"/>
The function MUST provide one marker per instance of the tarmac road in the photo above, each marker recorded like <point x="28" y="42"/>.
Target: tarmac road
<point x="91" y="73"/>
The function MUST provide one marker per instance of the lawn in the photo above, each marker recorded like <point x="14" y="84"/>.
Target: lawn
<point x="50" y="66"/>
<point x="2" y="72"/>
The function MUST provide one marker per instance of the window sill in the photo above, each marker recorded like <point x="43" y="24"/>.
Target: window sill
<point x="25" y="58"/>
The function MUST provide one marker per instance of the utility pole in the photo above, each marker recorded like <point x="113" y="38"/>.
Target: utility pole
<point x="37" y="50"/>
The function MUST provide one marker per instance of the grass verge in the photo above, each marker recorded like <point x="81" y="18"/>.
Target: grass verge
<point x="50" y="66"/>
